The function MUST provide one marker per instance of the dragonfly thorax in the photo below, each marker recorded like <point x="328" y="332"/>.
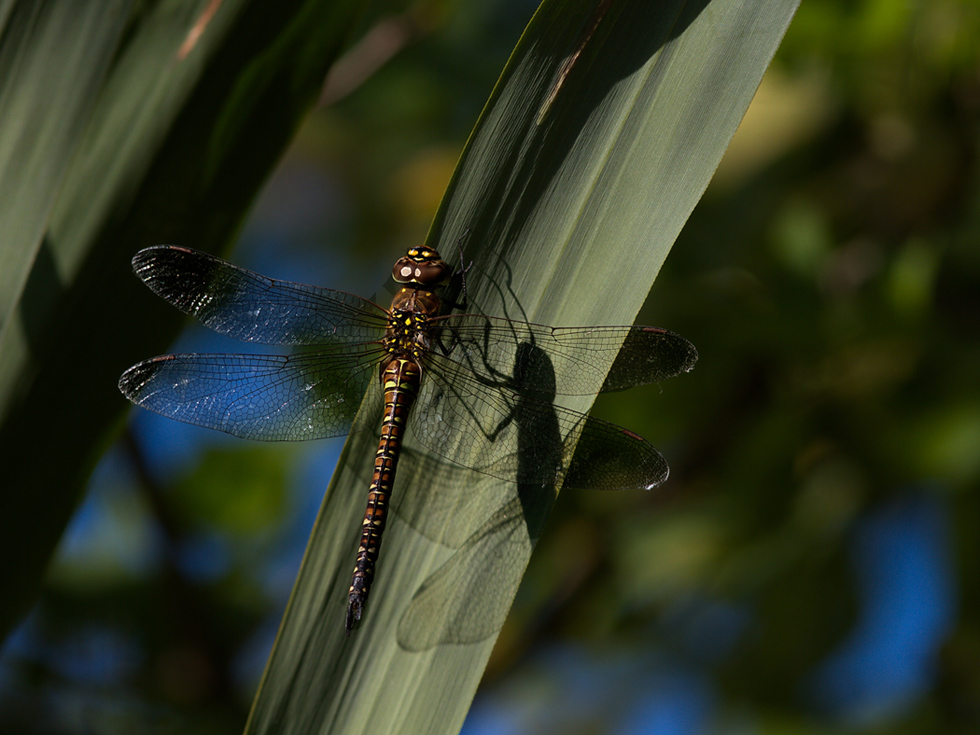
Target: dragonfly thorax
<point x="406" y="335"/>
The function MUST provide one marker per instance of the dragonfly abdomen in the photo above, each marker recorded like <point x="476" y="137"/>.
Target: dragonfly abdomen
<point x="400" y="379"/>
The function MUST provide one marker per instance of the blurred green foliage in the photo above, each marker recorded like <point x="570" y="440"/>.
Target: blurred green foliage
<point x="830" y="279"/>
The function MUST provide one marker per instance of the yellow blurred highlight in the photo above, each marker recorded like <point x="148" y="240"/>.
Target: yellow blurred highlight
<point x="417" y="186"/>
<point x="785" y="112"/>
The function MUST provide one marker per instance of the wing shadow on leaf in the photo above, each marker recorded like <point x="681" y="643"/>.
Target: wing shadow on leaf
<point x="493" y="526"/>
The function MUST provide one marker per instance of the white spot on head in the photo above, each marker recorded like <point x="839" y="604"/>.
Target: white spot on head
<point x="406" y="271"/>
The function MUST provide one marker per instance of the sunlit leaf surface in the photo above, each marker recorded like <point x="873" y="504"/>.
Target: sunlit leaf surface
<point x="573" y="187"/>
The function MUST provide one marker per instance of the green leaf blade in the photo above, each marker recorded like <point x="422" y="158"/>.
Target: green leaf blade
<point x="569" y="222"/>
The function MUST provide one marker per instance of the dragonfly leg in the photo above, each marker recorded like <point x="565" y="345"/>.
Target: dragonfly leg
<point x="463" y="270"/>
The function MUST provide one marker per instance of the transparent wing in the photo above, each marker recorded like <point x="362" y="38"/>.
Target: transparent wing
<point x="578" y="356"/>
<point x="252" y="307"/>
<point x="467" y="599"/>
<point x="520" y="438"/>
<point x="265" y="397"/>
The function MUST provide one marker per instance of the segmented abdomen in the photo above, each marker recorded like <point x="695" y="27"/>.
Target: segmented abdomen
<point x="400" y="379"/>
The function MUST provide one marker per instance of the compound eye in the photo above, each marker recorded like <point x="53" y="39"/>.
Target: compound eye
<point x="404" y="271"/>
<point x="428" y="273"/>
<point x="432" y="272"/>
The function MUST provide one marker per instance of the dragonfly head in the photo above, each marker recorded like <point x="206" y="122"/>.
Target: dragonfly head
<point x="423" y="266"/>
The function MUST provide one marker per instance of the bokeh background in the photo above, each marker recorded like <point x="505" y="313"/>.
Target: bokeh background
<point x="810" y="566"/>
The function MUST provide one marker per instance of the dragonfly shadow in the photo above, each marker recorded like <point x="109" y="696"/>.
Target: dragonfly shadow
<point x="497" y="293"/>
<point x="492" y="526"/>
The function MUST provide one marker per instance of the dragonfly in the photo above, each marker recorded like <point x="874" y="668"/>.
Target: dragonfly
<point x="476" y="390"/>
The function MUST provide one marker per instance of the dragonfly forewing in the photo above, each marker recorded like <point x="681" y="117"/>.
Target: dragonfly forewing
<point x="251" y="307"/>
<point x="579" y="358"/>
